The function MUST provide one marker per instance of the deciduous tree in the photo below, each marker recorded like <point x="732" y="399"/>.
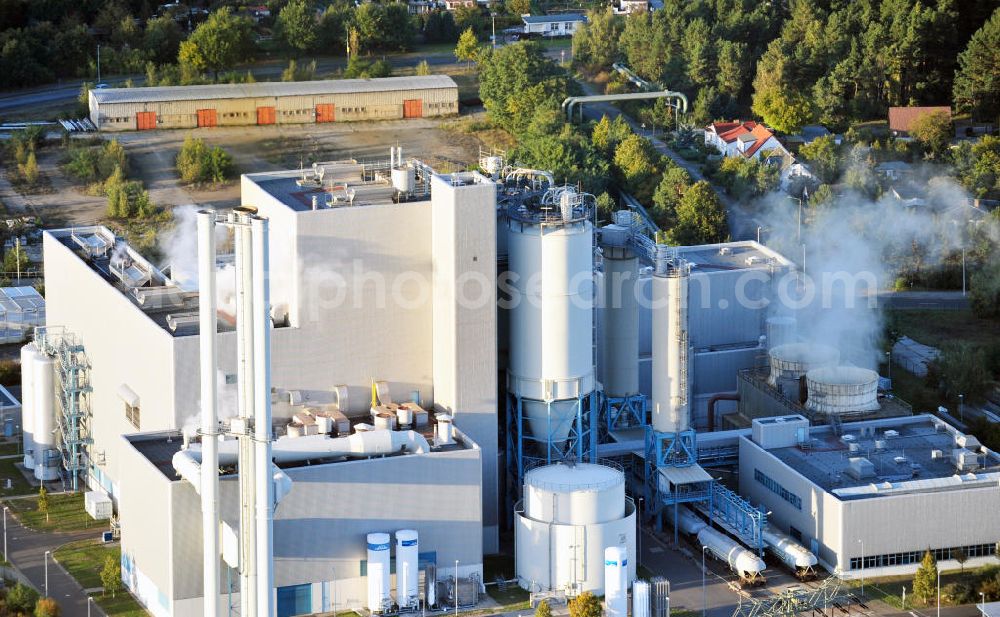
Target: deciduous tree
<point x="218" y="43"/>
<point x="296" y="27"/>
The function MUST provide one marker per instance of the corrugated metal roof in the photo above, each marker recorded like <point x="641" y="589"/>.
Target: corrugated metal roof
<point x="692" y="474"/>
<point x="544" y="19"/>
<point x="270" y="89"/>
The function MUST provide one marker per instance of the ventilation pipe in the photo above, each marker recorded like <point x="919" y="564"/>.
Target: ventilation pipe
<point x="208" y="477"/>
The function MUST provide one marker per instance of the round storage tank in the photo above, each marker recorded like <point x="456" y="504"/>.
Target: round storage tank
<point x="551" y="321"/>
<point x="780" y="331"/>
<point x="842" y="390"/>
<point x="407" y="568"/>
<point x="404" y="179"/>
<point x="564" y="504"/>
<point x="574" y="494"/>
<point x="789" y="363"/>
<point x="28" y="354"/>
<point x="379" y="600"/>
<point x="616" y="581"/>
<point x="620" y="353"/>
<point x="43" y="382"/>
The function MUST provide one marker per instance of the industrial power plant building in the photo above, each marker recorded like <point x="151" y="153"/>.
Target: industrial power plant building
<point x="304" y="102"/>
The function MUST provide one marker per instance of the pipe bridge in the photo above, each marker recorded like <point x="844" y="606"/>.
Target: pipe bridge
<point x="571" y="102"/>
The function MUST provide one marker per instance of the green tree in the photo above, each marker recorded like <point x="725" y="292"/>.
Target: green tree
<point x="925" y="580"/>
<point x="823" y="157"/>
<point x="732" y="62"/>
<point x="701" y="217"/>
<point x="46" y="607"/>
<point x="673" y="185"/>
<point x="83" y="99"/>
<point x="518" y="7"/>
<point x="984" y="291"/>
<point x="22" y="599"/>
<point x="218" y="43"/>
<point x="197" y="162"/>
<point x="963" y="369"/>
<point x="961" y="557"/>
<point x="111" y="575"/>
<point x="977" y="80"/>
<point x="115" y="189"/>
<point x="439" y="27"/>
<point x="636" y="164"/>
<point x="162" y="39"/>
<point x="977" y="166"/>
<point x="516" y="81"/>
<point x="423" y="68"/>
<point x="15" y="260"/>
<point x="29" y="170"/>
<point x="383" y="27"/>
<point x="296" y="27"/>
<point x="595" y="45"/>
<point x="933" y="132"/>
<point x="471" y="16"/>
<point x="543" y="609"/>
<point x="607" y="134"/>
<point x="43" y="501"/>
<point x="468" y="47"/>
<point x="585" y="605"/>
<point x="331" y="32"/>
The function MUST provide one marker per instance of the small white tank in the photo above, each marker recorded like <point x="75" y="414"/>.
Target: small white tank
<point x="444" y="435"/>
<point x="407" y="568"/>
<point x="379" y="599"/>
<point x="842" y="390"/>
<point x="640" y="599"/>
<point x="404" y="179"/>
<point x="616" y="581"/>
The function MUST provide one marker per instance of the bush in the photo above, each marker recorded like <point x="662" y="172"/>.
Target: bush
<point x="362" y="68"/>
<point x="296" y="73"/>
<point x="97" y="164"/>
<point x="46" y="607"/>
<point x="127" y="198"/>
<point x="197" y="162"/>
<point x="22" y="598"/>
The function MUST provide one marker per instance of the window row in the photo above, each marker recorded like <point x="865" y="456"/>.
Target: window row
<point x="911" y="557"/>
<point x="777" y="489"/>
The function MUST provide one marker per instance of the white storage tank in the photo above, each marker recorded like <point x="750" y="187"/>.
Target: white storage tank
<point x="98" y="505"/>
<point x="551" y="322"/>
<point x="28" y="354"/>
<point x="562" y="504"/>
<point x="620" y="310"/>
<point x="616" y="581"/>
<point x="841" y="390"/>
<point x="407" y="568"/>
<point x="671" y="388"/>
<point x="46" y="444"/>
<point x="379" y="600"/>
<point x="790" y="362"/>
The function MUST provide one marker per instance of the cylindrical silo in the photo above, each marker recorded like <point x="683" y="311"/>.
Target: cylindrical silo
<point x="379" y="599"/>
<point x="46" y="443"/>
<point x="670" y="387"/>
<point x="407" y="568"/>
<point x="551" y="320"/>
<point x="28" y="354"/>
<point x="570" y="514"/>
<point x="842" y="390"/>
<point x="620" y="349"/>
<point x="616" y="581"/>
<point x="640" y="599"/>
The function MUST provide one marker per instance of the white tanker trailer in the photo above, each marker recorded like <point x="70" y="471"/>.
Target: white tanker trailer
<point x="744" y="562"/>
<point x="791" y="553"/>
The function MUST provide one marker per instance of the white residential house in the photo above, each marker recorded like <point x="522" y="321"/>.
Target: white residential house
<point x="747" y="139"/>
<point x="553" y="25"/>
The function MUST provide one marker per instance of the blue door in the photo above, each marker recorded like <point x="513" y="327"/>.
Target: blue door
<point x="294" y="600"/>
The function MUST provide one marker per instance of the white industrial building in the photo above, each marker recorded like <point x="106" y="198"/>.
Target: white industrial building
<point x="879" y="493"/>
<point x="344" y="238"/>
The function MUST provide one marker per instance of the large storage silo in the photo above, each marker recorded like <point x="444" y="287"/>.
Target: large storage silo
<point x="379" y="600"/>
<point x="620" y="307"/>
<point x="47" y="460"/>
<point x="671" y="405"/>
<point x="570" y="515"/>
<point x="28" y="354"/>
<point x="551" y="320"/>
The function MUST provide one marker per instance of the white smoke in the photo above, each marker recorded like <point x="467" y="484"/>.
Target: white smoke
<point x="227" y="405"/>
<point x="180" y="247"/>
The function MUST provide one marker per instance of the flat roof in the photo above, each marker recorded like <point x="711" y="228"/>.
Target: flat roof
<point x="270" y="89"/>
<point x="727" y="256"/>
<point x="544" y="19"/>
<point x="907" y="463"/>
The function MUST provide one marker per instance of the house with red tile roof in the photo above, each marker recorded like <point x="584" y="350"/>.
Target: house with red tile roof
<point x="901" y="119"/>
<point x="748" y="139"/>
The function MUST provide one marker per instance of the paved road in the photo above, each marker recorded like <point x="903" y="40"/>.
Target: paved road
<point x="27" y="552"/>
<point x="939" y="300"/>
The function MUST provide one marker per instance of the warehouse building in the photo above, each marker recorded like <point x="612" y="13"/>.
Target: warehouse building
<point x="304" y="102"/>
<point x="875" y="495"/>
<point x="344" y="238"/>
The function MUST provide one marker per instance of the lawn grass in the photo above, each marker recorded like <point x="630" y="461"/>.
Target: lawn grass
<point x="9" y="470"/>
<point x="84" y="561"/>
<point x="66" y="513"/>
<point x="889" y="589"/>
<point x="936" y="328"/>
<point x="915" y="391"/>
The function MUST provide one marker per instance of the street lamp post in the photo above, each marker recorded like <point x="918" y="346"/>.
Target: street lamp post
<point x="456" y="588"/>
<point x="90" y="600"/>
<point x="335" y="591"/>
<point x="47" y="553"/>
<point x="493" y="16"/>
<point x="939" y="592"/>
<point x="982" y="603"/>
<point x="704" y="594"/>
<point x="799" y="201"/>
<point x="961" y="407"/>
<point x="888" y="365"/>
<point x="862" y="542"/>
<point x="638" y="559"/>
<point x="6" y="557"/>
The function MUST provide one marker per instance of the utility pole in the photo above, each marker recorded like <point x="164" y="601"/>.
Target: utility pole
<point x="98" y="63"/>
<point x="493" y="16"/>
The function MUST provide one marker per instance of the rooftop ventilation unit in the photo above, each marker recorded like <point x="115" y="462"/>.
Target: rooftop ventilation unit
<point x="182" y="320"/>
<point x="860" y="468"/>
<point x="891" y="433"/>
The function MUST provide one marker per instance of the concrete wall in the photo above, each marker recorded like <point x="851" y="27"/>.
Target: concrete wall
<point x="386" y="105"/>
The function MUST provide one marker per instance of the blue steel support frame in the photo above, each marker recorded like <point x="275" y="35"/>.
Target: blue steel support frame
<point x="738" y="516"/>
<point x="618" y="412"/>
<point x="670" y="450"/>
<point x="525" y="451"/>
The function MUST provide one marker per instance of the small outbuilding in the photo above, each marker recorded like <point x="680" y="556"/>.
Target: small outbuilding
<point x="303" y="102"/>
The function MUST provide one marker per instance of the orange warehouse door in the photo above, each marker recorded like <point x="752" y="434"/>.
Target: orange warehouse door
<point x="265" y="115"/>
<point x="413" y="108"/>
<point x="145" y="120"/>
<point x="207" y="118"/>
<point x="324" y="112"/>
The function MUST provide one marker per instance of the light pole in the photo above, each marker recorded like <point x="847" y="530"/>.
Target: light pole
<point x="799" y="200"/>
<point x="888" y="366"/>
<point x="456" y="588"/>
<point x="761" y="228"/>
<point x="98" y="64"/>
<point x="961" y="407"/>
<point x="47" y="573"/>
<point x="5" y="556"/>
<point x="335" y="591"/>
<point x="493" y="16"/>
<point x="982" y="603"/>
<point x="862" y="542"/>
<point x="90" y="600"/>
<point x="938" y="592"/>
<point x="638" y="559"/>
<point x="704" y="594"/>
